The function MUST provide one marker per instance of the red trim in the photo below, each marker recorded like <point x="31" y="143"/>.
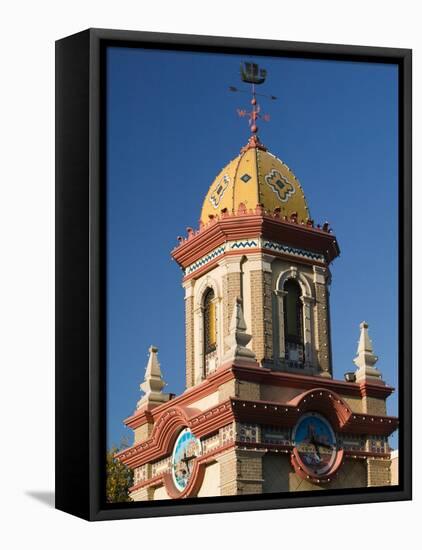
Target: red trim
<point x="195" y="481"/>
<point x="365" y="454"/>
<point x="328" y="403"/>
<point x="261" y="375"/>
<point x="304" y="472"/>
<point x="169" y="425"/>
<point x="231" y="227"/>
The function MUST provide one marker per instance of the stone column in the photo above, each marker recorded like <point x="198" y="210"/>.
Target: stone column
<point x="231" y="291"/>
<point x="280" y="295"/>
<point x="189" y="333"/>
<point x="322" y="313"/>
<point x="199" y="357"/>
<point x="307" y="302"/>
<point x="261" y="306"/>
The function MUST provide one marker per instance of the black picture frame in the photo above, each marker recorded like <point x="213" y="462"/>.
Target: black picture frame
<point x="80" y="272"/>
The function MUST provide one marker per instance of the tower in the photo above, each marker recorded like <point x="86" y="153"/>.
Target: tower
<point x="262" y="411"/>
<point x="257" y="241"/>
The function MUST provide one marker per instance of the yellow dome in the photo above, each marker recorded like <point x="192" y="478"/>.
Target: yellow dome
<point x="255" y="177"/>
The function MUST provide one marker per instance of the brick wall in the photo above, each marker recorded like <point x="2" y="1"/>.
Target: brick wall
<point x="241" y="472"/>
<point x="239" y="388"/>
<point x="189" y="333"/>
<point x="146" y="493"/>
<point x="379" y="472"/>
<point x="143" y="432"/>
<point x="373" y="405"/>
<point x="352" y="474"/>
<point x="323" y="327"/>
<point x="231" y="291"/>
<point x="268" y="316"/>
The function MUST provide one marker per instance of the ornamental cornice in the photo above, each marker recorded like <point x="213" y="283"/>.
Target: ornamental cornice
<point x="261" y="375"/>
<point x="169" y="424"/>
<point x="247" y="228"/>
<point x="334" y="408"/>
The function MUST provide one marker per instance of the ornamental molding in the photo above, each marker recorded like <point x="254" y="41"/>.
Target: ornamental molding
<point x="168" y="426"/>
<point x="293" y="273"/>
<point x="327" y="402"/>
<point x="292" y="251"/>
<point x="262" y="375"/>
<point x="196" y="479"/>
<point x="250" y="226"/>
<point x="257" y="244"/>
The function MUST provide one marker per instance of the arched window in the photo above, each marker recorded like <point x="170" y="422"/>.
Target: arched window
<point x="210" y="332"/>
<point x="293" y="312"/>
<point x="293" y="322"/>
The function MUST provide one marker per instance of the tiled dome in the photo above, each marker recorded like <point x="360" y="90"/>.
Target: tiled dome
<point x="255" y="177"/>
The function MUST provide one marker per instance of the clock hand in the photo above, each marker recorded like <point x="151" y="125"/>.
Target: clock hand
<point x="317" y="450"/>
<point x="314" y="442"/>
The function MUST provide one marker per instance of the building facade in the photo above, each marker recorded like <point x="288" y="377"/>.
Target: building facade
<point x="261" y="412"/>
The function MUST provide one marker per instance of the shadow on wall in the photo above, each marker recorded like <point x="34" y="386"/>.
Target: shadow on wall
<point x="45" y="497"/>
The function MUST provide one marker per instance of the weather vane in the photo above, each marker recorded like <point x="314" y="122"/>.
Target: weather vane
<point x="252" y="74"/>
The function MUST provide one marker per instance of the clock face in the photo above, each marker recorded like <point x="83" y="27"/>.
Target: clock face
<point x="315" y="442"/>
<point x="186" y="449"/>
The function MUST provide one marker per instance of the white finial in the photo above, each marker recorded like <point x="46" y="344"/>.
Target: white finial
<point x="365" y="358"/>
<point x="238" y="338"/>
<point x="153" y="382"/>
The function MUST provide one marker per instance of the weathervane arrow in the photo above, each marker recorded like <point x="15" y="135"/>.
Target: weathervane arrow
<point x="252" y="74"/>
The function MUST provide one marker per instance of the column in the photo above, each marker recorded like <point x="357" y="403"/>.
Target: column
<point x="280" y="295"/>
<point x="307" y="302"/>
<point x="189" y="333"/>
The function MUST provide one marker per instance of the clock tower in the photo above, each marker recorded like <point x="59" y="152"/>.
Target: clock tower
<point x="262" y="412"/>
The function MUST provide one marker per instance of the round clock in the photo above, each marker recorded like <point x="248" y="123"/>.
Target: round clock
<point x="186" y="449"/>
<point x="315" y="445"/>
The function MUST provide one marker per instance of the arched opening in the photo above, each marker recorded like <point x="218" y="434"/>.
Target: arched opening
<point x="210" y="331"/>
<point x="293" y="323"/>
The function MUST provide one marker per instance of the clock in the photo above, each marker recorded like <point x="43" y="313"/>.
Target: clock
<point x="185" y="451"/>
<point x="315" y="447"/>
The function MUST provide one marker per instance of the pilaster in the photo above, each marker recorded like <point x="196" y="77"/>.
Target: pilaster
<point x="241" y="472"/>
<point x="379" y="472"/>
<point x="231" y="291"/>
<point x="260" y="274"/>
<point x="189" y="333"/>
<point x="322" y="321"/>
<point x="280" y="295"/>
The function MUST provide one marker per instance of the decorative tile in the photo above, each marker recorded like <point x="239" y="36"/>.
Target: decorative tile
<point x="278" y="247"/>
<point x="248" y="433"/>
<point x="275" y="435"/>
<point x="280" y="185"/>
<point x="243" y="244"/>
<point x="219" y="191"/>
<point x="217" y="252"/>
<point x="245" y="178"/>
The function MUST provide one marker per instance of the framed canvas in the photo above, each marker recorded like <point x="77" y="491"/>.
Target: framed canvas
<point x="214" y="351"/>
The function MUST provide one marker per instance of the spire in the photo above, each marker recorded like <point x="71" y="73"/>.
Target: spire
<point x="365" y="358"/>
<point x="153" y="382"/>
<point x="238" y="338"/>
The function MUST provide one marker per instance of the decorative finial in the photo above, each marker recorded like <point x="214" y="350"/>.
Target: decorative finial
<point x="153" y="383"/>
<point x="252" y="74"/>
<point x="238" y="338"/>
<point x="365" y="358"/>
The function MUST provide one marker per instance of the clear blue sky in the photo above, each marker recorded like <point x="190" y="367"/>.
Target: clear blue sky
<point x="172" y="125"/>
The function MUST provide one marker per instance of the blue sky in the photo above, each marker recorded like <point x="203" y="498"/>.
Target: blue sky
<point x="172" y="126"/>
